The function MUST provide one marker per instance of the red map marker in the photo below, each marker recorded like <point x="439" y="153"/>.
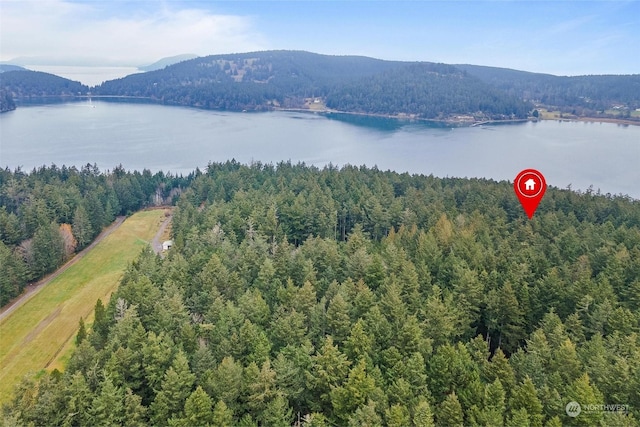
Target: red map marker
<point x="530" y="186"/>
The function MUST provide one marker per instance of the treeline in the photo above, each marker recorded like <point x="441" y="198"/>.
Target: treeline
<point x="27" y="83"/>
<point x="51" y="213"/>
<point x="358" y="297"/>
<point x="6" y="101"/>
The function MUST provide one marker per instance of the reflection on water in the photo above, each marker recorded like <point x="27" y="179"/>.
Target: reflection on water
<point x="383" y="124"/>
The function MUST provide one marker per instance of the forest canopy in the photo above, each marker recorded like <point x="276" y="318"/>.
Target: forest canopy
<point x="27" y="83"/>
<point x="49" y="214"/>
<point x="355" y="297"/>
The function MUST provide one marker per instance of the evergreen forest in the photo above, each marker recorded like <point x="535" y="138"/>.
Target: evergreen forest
<point x="351" y="296"/>
<point x="591" y="94"/>
<point x="26" y="84"/>
<point x="50" y="214"/>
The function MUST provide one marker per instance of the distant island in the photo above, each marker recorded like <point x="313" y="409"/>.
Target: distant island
<point x="298" y="80"/>
<point x="165" y="62"/>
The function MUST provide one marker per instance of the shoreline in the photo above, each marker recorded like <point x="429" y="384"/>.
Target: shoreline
<point x="597" y="120"/>
<point x="402" y="116"/>
<point x="461" y="123"/>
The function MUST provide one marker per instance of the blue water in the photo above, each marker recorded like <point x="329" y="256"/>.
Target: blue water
<point x="175" y="139"/>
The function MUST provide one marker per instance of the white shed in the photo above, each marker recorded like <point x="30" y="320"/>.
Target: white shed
<point x="166" y="245"/>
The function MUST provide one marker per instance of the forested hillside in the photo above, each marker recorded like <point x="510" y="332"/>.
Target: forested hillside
<point x="51" y="213"/>
<point x="431" y="91"/>
<point x="258" y="80"/>
<point x="265" y="80"/>
<point x="358" y="297"/>
<point x="590" y="93"/>
<point x="27" y="83"/>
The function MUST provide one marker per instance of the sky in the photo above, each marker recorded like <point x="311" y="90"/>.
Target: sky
<point x="568" y="37"/>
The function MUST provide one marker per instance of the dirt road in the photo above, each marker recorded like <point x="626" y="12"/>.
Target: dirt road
<point x="156" y="243"/>
<point x="33" y="289"/>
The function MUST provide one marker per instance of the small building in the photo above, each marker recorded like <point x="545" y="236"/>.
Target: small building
<point x="166" y="245"/>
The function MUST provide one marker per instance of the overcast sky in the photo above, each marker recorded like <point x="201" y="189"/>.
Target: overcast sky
<point x="565" y="38"/>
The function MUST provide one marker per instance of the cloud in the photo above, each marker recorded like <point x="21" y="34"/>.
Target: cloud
<point x="61" y="32"/>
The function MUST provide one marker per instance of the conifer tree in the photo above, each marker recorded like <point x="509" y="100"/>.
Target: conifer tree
<point x="198" y="408"/>
<point x="82" y="332"/>
<point x="397" y="416"/>
<point x="450" y="412"/>
<point x="107" y="407"/>
<point x="100" y="326"/>
<point x="422" y="414"/>
<point x="329" y="369"/>
<point x="338" y="321"/>
<point x="357" y="390"/>
<point x="134" y="413"/>
<point x="524" y="397"/>
<point x="225" y="382"/>
<point x="222" y="416"/>
<point x="176" y="386"/>
<point x="365" y="415"/>
<point x="78" y="401"/>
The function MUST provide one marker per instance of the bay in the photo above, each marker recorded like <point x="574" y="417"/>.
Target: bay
<point x="603" y="156"/>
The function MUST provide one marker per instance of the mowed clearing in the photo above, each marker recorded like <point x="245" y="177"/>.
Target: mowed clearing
<point x="36" y="332"/>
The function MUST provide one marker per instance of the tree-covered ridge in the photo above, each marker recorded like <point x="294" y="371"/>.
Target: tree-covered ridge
<point x="257" y="80"/>
<point x="51" y="213"/>
<point x="430" y="91"/>
<point x="27" y="83"/>
<point x="593" y="93"/>
<point x="359" y="297"/>
<point x="263" y="80"/>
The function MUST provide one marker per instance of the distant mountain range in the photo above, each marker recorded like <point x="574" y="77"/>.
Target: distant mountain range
<point x="165" y="62"/>
<point x="295" y="79"/>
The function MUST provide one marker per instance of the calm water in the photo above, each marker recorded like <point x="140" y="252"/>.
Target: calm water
<point x="175" y="139"/>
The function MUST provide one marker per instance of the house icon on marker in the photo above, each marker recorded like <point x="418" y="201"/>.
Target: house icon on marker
<point x="530" y="185"/>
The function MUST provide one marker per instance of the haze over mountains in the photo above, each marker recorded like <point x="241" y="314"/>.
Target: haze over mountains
<point x="266" y="80"/>
<point x="165" y="62"/>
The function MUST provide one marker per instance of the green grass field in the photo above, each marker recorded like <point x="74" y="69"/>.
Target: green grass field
<point x="40" y="333"/>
